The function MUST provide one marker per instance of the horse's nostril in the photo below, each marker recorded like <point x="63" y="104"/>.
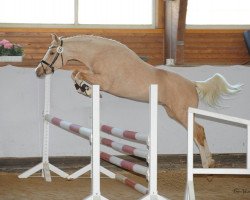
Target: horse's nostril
<point x="39" y="72"/>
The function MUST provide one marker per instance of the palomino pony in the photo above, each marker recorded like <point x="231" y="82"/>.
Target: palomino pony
<point x="119" y="71"/>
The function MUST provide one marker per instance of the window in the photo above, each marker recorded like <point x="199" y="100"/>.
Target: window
<point x="218" y="12"/>
<point x="116" y="12"/>
<point x="78" y="12"/>
<point x="37" y="11"/>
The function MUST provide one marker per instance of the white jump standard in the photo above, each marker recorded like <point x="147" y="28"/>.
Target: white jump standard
<point x="95" y="144"/>
<point x="151" y="172"/>
<point x="45" y="166"/>
<point x="150" y="154"/>
<point x="190" y="194"/>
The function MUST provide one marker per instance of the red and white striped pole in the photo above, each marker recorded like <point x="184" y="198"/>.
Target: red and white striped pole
<point x="131" y="135"/>
<point x="142" y="153"/>
<point x="140" y="188"/>
<point x="124" y="164"/>
<point x="86" y="133"/>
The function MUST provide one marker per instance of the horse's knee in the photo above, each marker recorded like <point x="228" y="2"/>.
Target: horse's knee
<point x="79" y="76"/>
<point x="169" y="111"/>
<point x="74" y="73"/>
<point x="199" y="134"/>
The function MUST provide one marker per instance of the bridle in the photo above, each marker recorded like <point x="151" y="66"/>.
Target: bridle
<point x="59" y="51"/>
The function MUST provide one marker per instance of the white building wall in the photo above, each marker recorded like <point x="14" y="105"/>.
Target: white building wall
<point x="22" y="100"/>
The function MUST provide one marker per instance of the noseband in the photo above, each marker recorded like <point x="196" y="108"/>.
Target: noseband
<point x="59" y="50"/>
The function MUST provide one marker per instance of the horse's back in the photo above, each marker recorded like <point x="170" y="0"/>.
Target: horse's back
<point x="130" y="77"/>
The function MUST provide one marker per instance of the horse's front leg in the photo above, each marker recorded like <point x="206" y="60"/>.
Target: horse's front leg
<point x="81" y="85"/>
<point x="84" y="79"/>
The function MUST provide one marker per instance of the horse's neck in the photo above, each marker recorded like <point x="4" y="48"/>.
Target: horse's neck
<point x="82" y="49"/>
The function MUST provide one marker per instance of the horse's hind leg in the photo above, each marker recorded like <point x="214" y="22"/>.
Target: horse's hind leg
<point x="199" y="135"/>
<point x="201" y="142"/>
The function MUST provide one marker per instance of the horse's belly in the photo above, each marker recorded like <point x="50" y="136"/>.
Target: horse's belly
<point x="131" y="89"/>
<point x="133" y="82"/>
<point x="132" y="93"/>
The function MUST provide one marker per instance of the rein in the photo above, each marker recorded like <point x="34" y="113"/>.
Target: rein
<point x="59" y="50"/>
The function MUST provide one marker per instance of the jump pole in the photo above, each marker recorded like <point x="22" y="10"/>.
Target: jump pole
<point x="45" y="166"/>
<point x="86" y="133"/>
<point x="125" y="134"/>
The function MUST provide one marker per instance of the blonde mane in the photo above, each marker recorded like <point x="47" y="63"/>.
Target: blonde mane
<point x="93" y="37"/>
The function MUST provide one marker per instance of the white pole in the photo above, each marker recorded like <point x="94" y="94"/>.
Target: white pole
<point x="76" y="9"/>
<point x="95" y="144"/>
<point x="45" y="161"/>
<point x="190" y="185"/>
<point x="248" y="146"/>
<point x="152" y="143"/>
<point x="218" y="116"/>
<point x="46" y="124"/>
<point x="190" y="145"/>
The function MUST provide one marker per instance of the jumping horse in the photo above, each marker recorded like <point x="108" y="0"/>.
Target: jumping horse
<point x="120" y="72"/>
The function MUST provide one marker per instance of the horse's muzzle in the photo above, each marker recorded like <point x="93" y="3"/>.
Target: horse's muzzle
<point x="39" y="71"/>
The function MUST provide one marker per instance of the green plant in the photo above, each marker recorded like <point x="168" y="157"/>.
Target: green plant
<point x="9" y="49"/>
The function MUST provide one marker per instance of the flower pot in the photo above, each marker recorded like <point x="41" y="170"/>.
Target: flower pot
<point x="11" y="58"/>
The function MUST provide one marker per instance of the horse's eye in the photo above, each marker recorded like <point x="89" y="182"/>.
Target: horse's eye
<point x="51" y="53"/>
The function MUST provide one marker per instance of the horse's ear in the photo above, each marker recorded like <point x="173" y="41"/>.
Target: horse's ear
<point x="55" y="38"/>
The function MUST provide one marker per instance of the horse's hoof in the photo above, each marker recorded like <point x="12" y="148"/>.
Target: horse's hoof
<point x="86" y="93"/>
<point x="211" y="163"/>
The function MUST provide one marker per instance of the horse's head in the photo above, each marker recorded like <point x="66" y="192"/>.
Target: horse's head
<point x="53" y="58"/>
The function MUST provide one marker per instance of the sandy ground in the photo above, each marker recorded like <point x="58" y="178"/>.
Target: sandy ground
<point x="171" y="184"/>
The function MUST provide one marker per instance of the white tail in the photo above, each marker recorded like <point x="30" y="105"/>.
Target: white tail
<point x="212" y="89"/>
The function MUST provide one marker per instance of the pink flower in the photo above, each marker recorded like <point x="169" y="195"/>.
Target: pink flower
<point x="3" y="42"/>
<point x="8" y="45"/>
